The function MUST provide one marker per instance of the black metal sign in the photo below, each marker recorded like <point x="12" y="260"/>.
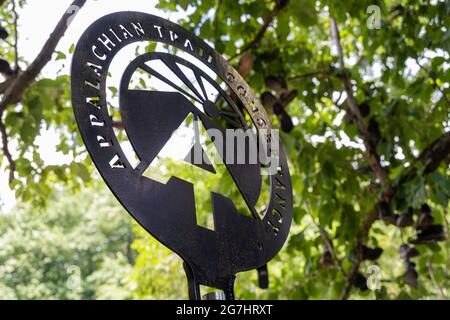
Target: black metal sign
<point x="167" y="211"/>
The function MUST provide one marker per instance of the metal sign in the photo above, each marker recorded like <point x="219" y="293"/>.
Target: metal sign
<point x="168" y="210"/>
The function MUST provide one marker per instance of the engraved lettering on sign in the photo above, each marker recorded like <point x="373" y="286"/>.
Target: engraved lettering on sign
<point x="159" y="30"/>
<point x="278" y="184"/>
<point x="115" y="163"/>
<point x="279" y="200"/>
<point x="95" y="122"/>
<point x="230" y="77"/>
<point x="107" y="42"/>
<point x="173" y="35"/>
<point x="103" y="143"/>
<point x="94" y="67"/>
<point x="261" y="122"/>
<point x="126" y="34"/>
<point x="188" y="44"/>
<point x="98" y="55"/>
<point x="277" y="215"/>
<point x="242" y="92"/>
<point x="115" y="35"/>
<point x="280" y="171"/>
<point x="96" y="86"/>
<point x="273" y="227"/>
<point x="94" y="101"/>
<point x="253" y="106"/>
<point x="138" y="28"/>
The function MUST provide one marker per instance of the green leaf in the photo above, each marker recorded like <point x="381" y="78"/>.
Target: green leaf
<point x="298" y="215"/>
<point x="60" y="55"/>
<point x="80" y="170"/>
<point x="415" y="192"/>
<point x="304" y="12"/>
<point x="327" y="213"/>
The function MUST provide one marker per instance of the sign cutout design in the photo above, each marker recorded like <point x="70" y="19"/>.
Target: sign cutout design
<point x="218" y="100"/>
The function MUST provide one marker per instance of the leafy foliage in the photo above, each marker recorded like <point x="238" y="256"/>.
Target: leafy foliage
<point x="76" y="248"/>
<point x="399" y="74"/>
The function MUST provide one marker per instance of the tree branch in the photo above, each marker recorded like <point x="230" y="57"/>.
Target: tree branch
<point x="360" y="240"/>
<point x="328" y="244"/>
<point x="280" y="5"/>
<point x="372" y="156"/>
<point x="14" y="92"/>
<point x="330" y="248"/>
<point x="16" y="37"/>
<point x="432" y="156"/>
<point x="435" y="153"/>
<point x="5" y="84"/>
<point x="6" y="152"/>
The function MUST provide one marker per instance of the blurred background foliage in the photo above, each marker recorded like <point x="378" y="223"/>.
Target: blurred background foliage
<point x="368" y="152"/>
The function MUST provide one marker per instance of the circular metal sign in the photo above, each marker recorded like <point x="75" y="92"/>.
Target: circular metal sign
<point x="167" y="210"/>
